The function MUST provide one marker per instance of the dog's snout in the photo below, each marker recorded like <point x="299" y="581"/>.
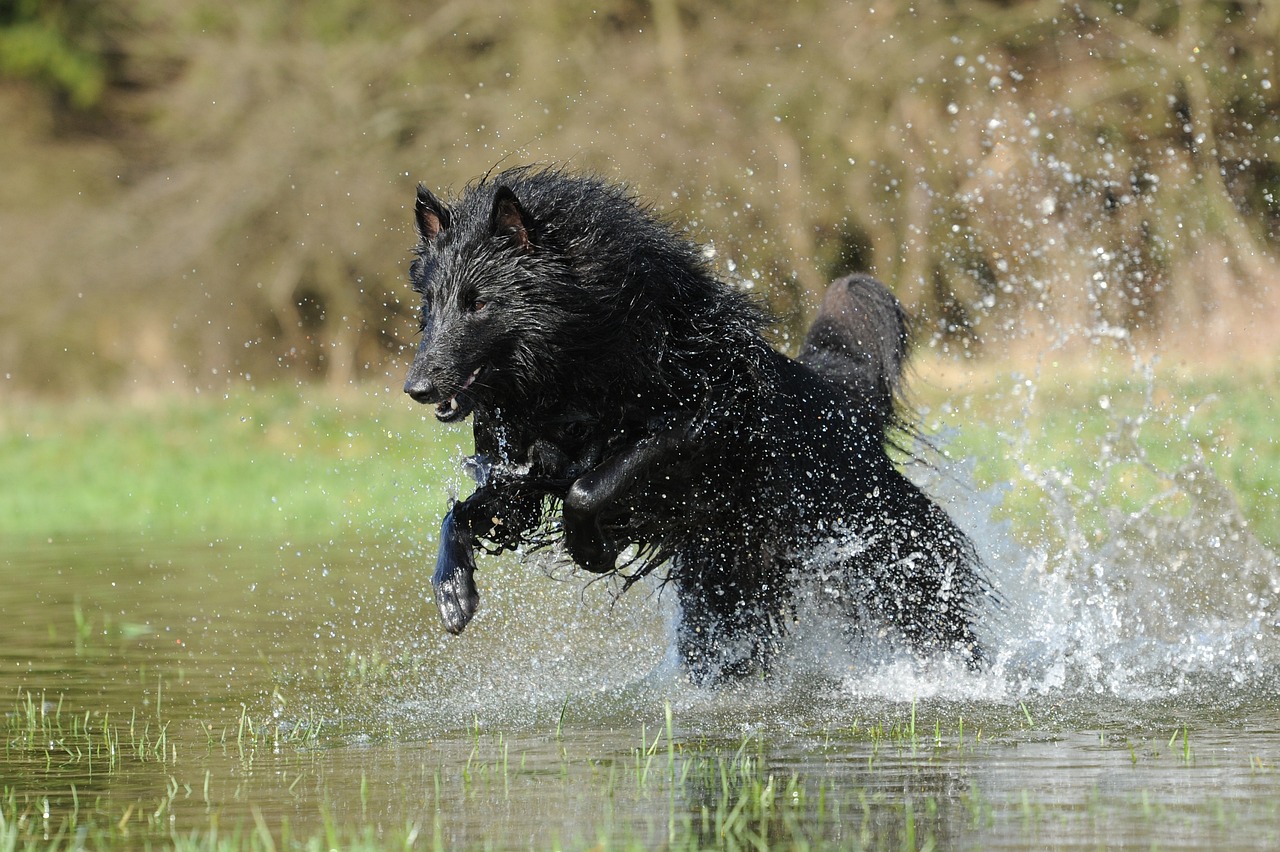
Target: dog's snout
<point x="422" y="389"/>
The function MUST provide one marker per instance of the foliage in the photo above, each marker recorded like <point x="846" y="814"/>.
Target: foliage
<point x="1087" y="169"/>
<point x="59" y="43"/>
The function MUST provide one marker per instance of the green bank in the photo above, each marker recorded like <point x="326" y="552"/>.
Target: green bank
<point x="302" y="461"/>
<point x="271" y="462"/>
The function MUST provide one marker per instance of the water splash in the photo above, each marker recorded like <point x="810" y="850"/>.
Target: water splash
<point x="1174" y="596"/>
<point x="1139" y="581"/>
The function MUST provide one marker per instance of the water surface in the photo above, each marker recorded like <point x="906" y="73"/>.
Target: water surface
<point x="286" y="686"/>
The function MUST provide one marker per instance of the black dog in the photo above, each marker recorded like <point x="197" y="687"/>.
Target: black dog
<point x="612" y="375"/>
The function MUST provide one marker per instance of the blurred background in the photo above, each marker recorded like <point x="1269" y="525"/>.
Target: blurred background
<point x="194" y="193"/>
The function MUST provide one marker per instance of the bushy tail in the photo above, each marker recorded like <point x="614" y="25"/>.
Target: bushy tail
<point x="859" y="341"/>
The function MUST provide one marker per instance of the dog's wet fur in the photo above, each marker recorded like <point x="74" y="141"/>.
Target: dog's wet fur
<point x="626" y="404"/>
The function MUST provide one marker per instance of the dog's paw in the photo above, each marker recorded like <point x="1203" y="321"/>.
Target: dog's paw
<point x="458" y="600"/>
<point x="453" y="582"/>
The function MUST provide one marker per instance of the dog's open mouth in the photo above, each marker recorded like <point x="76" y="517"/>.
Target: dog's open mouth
<point x="458" y="405"/>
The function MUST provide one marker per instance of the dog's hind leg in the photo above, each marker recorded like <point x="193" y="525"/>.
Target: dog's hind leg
<point x="725" y="631"/>
<point x="927" y="580"/>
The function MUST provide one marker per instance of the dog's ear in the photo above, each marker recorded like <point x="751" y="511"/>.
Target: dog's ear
<point x="509" y="218"/>
<point x="430" y="214"/>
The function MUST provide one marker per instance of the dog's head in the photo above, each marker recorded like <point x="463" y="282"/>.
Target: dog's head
<point x="493" y="301"/>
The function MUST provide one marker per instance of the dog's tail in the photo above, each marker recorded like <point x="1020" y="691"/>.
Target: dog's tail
<point x="859" y="340"/>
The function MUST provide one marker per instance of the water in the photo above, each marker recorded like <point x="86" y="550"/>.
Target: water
<point x="155" y="690"/>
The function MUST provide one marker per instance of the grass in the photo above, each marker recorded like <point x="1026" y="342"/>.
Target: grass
<point x="1105" y="438"/>
<point x="299" y="462"/>
<point x="38" y="726"/>
<point x="665" y="790"/>
<point x="280" y="461"/>
<point x="744" y="804"/>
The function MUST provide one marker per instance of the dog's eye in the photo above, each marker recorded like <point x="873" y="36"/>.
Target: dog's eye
<point x="478" y="305"/>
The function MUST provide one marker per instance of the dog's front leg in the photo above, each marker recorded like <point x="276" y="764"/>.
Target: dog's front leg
<point x="453" y="582"/>
<point x="501" y="512"/>
<point x="602" y="488"/>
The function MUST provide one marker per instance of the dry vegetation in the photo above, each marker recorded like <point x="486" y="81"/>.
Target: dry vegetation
<point x="198" y="190"/>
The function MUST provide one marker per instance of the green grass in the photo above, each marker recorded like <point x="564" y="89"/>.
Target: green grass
<point x="302" y="462"/>
<point x="900" y="788"/>
<point x="1103" y="438"/>
<point x="277" y="461"/>
<point x="745" y="803"/>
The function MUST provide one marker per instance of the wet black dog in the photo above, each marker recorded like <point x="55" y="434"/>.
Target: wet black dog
<point x="614" y="378"/>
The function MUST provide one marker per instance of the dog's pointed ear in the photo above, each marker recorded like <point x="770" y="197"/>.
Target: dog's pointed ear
<point x="430" y="214"/>
<point x="509" y="219"/>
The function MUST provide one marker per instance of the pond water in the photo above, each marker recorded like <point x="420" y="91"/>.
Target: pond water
<point x="290" y="690"/>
